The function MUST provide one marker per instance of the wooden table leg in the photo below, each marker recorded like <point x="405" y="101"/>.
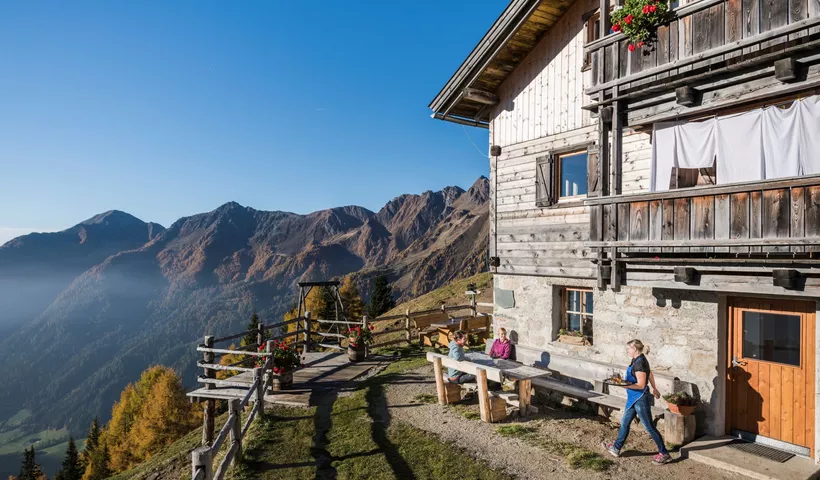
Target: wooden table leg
<point x="438" y="372"/>
<point x="483" y="394"/>
<point x="524" y="391"/>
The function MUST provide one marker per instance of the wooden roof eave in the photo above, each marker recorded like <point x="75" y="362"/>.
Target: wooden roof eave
<point x="502" y="31"/>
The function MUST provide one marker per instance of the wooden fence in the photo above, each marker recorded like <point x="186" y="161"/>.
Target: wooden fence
<point x="308" y="337"/>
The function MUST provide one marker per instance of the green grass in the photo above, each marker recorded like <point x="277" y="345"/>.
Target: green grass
<point x="451" y="294"/>
<point x="466" y="412"/>
<point x="577" y="457"/>
<point x="179" y="451"/>
<point x="18" y="418"/>
<point x="425" y="398"/>
<point x="353" y="438"/>
<point x="44" y="437"/>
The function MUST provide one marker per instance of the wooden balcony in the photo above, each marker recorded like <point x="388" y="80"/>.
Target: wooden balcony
<point x="750" y="220"/>
<point x="706" y="38"/>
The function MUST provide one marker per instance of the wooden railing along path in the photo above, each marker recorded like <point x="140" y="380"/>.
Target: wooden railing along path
<point x="307" y="336"/>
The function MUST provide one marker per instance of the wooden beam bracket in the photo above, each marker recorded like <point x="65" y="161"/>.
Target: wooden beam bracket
<point x="606" y="114"/>
<point x="687" y="275"/>
<point x="686" y="96"/>
<point x="788" y="279"/>
<point x="480" y="96"/>
<point x="787" y="70"/>
<point x="495" y="150"/>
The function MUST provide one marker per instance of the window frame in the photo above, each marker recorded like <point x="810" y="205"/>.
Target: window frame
<point x="565" y="311"/>
<point x="556" y="185"/>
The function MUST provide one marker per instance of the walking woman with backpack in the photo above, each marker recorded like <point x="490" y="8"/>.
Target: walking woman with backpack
<point x="638" y="403"/>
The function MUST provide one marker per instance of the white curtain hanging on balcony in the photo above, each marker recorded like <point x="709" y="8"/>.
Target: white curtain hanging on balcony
<point x="760" y="144"/>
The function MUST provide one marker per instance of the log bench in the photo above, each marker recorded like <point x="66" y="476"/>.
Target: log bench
<point x="424" y="325"/>
<point x="604" y="401"/>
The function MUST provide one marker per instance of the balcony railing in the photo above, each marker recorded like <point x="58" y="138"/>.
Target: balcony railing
<point x="703" y="34"/>
<point x="755" y="219"/>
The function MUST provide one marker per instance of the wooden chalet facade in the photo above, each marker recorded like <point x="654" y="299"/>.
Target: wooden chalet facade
<point x="720" y="277"/>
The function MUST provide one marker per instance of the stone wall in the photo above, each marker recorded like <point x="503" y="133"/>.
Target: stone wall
<point x="681" y="328"/>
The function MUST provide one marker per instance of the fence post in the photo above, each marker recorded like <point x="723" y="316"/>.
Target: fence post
<point x="269" y="350"/>
<point x="258" y="376"/>
<point x="201" y="460"/>
<point x="473" y="305"/>
<point x="364" y="329"/>
<point x="260" y="335"/>
<point x="210" y="404"/>
<point x="407" y="325"/>
<point x="236" y="428"/>
<point x="306" y="346"/>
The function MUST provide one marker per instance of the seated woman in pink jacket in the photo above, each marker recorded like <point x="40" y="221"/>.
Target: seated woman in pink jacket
<point x="502" y="347"/>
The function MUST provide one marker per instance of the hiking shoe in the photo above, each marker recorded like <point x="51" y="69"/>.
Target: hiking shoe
<point x="610" y="447"/>
<point x="661" y="458"/>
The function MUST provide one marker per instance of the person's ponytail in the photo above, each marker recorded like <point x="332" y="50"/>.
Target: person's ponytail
<point x="639" y="346"/>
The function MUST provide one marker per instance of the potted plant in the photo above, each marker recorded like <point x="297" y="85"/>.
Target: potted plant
<point x="680" y="403"/>
<point x="572" y="337"/>
<point x="639" y="21"/>
<point x="286" y="359"/>
<point x="358" y="339"/>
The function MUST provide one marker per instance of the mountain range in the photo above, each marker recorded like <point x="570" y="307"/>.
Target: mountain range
<point x="85" y="310"/>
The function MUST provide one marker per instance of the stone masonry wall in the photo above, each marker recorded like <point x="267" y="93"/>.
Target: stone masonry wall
<point x="680" y="327"/>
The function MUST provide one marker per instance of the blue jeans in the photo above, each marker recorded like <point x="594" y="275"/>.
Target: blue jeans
<point x="643" y="410"/>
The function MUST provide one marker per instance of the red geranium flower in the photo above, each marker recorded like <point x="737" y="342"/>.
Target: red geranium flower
<point x="640" y="44"/>
<point x="616" y="27"/>
<point x="652" y="8"/>
<point x="628" y="19"/>
<point x="631" y="47"/>
<point x="371" y="327"/>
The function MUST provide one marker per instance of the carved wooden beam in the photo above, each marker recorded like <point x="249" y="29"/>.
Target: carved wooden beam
<point x="687" y="275"/>
<point x="686" y="96"/>
<point x="787" y="279"/>
<point x="786" y="69"/>
<point x="480" y="96"/>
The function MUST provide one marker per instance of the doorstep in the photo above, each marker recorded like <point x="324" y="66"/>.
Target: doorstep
<point x="713" y="451"/>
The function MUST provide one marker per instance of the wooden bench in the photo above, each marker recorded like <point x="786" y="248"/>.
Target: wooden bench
<point x="604" y="401"/>
<point x="478" y="326"/>
<point x="424" y="326"/>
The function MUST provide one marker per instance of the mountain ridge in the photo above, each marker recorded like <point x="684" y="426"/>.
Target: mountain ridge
<point x="150" y="301"/>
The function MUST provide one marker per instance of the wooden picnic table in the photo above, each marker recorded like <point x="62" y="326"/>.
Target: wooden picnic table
<point x="513" y="370"/>
<point x="445" y="329"/>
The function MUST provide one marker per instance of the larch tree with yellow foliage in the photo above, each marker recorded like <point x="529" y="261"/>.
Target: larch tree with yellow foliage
<point x="351" y="299"/>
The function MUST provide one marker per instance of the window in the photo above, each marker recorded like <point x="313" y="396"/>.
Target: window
<point x="572" y="175"/>
<point x="692" y="177"/>
<point x="569" y="175"/>
<point x="577" y="311"/>
<point x="771" y="337"/>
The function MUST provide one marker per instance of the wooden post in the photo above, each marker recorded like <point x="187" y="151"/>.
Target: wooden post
<point x="201" y="460"/>
<point x="236" y="428"/>
<point x="269" y="350"/>
<point x="483" y="394"/>
<point x="473" y="306"/>
<point x="306" y="346"/>
<point x="364" y="328"/>
<point x="260" y="335"/>
<point x="407" y="325"/>
<point x="524" y="392"/>
<point x="258" y="376"/>
<point x="210" y="404"/>
<point x="438" y="371"/>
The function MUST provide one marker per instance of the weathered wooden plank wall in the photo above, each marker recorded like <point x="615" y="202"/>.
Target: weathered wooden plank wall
<point x="533" y="240"/>
<point x="544" y="95"/>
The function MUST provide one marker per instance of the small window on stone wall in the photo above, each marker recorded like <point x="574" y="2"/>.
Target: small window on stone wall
<point x="577" y="312"/>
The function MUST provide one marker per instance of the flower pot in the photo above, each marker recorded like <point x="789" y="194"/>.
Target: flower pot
<point x="356" y="353"/>
<point x="572" y="340"/>
<point x="282" y="381"/>
<point x="682" y="410"/>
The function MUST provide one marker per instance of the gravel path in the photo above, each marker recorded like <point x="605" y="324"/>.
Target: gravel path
<point x="405" y="398"/>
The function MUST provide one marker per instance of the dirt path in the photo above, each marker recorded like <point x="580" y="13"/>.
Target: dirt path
<point x="407" y="399"/>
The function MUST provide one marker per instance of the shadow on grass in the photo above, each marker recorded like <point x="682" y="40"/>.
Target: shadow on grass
<point x="380" y="416"/>
<point x="322" y="423"/>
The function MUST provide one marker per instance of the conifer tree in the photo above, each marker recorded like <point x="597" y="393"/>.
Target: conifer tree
<point x="250" y="337"/>
<point x="91" y="442"/>
<point x="98" y="464"/>
<point x="71" y="468"/>
<point x="381" y="300"/>
<point x="30" y="470"/>
<point x="351" y="299"/>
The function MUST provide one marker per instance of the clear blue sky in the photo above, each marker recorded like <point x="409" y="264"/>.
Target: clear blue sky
<point x="166" y="109"/>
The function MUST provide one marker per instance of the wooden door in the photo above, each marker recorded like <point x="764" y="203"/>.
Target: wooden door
<point x="771" y="369"/>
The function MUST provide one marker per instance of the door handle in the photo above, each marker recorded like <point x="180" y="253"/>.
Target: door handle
<point x="736" y="362"/>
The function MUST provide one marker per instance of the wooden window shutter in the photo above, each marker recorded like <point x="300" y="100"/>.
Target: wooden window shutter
<point x="545" y="181"/>
<point x="593" y="172"/>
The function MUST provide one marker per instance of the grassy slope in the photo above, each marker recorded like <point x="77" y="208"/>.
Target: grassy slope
<point x="300" y="431"/>
<point x="355" y="441"/>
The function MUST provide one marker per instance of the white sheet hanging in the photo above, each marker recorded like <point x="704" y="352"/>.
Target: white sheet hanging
<point x="695" y="145"/>
<point x="810" y="135"/>
<point x="740" y="148"/>
<point x="781" y="140"/>
<point x="663" y="156"/>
